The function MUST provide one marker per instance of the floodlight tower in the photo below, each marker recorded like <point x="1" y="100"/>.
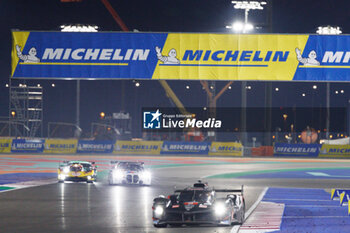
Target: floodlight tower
<point x="328" y="30"/>
<point x="246" y="6"/>
<point x="78" y="28"/>
<point x="244" y="28"/>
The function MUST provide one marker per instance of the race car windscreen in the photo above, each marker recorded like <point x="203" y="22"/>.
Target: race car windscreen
<point x="76" y="167"/>
<point x="130" y="166"/>
<point x="194" y="195"/>
<point x="87" y="167"/>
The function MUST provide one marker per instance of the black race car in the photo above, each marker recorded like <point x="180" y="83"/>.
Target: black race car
<point x="199" y="204"/>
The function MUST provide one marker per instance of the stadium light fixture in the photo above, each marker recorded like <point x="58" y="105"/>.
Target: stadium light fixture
<point x="137" y="84"/>
<point x="187" y="87"/>
<point x="285" y="116"/>
<point x="78" y="28"/>
<point x="314" y="87"/>
<point x="250" y="5"/>
<point x="246" y="6"/>
<point x="7" y="85"/>
<point x="277" y="89"/>
<point x="53" y="85"/>
<point x="329" y="30"/>
<point x="241" y="27"/>
<point x="303" y="95"/>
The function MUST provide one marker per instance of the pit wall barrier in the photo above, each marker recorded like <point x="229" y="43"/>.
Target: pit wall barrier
<point x="262" y="151"/>
<point x="95" y="146"/>
<point x="176" y="147"/>
<point x="74" y="146"/>
<point x="296" y="150"/>
<point x="27" y="145"/>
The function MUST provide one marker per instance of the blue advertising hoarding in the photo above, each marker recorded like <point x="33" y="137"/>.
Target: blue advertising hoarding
<point x="88" y="146"/>
<point x="170" y="147"/>
<point x="296" y="150"/>
<point x="27" y="145"/>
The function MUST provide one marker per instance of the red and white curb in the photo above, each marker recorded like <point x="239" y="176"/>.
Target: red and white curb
<point x="267" y="217"/>
<point x="28" y="184"/>
<point x="261" y="217"/>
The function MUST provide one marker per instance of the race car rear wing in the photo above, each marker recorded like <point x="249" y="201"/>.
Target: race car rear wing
<point x="115" y="162"/>
<point x="230" y="190"/>
<point x="216" y="190"/>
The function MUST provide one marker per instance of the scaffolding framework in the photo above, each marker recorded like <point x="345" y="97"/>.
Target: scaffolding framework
<point x="26" y="108"/>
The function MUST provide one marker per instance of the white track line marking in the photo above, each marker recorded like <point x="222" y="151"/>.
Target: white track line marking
<point x="280" y="199"/>
<point x="252" y="208"/>
<point x="347" y="217"/>
<point x="318" y="206"/>
<point x="28" y="184"/>
<point x="235" y="229"/>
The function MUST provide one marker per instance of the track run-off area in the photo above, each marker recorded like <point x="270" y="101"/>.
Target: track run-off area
<point x="281" y="194"/>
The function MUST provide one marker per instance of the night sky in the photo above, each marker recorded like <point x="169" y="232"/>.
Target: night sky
<point x="297" y="16"/>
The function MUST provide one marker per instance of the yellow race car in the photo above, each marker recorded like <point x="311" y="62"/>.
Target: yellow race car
<point x="77" y="171"/>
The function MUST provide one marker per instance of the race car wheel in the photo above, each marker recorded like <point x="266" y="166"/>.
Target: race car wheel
<point x="243" y="214"/>
<point x="160" y="225"/>
<point x="60" y="181"/>
<point x="241" y="219"/>
<point x="110" y="181"/>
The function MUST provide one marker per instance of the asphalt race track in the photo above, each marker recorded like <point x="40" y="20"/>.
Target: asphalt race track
<point x="99" y="207"/>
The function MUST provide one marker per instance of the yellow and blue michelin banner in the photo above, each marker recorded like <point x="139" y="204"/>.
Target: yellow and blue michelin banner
<point x="226" y="148"/>
<point x="339" y="151"/>
<point x="121" y="55"/>
<point x="138" y="147"/>
<point x="5" y="145"/>
<point x="61" y="146"/>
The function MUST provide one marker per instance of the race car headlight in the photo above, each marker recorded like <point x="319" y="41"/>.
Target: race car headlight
<point x="117" y="174"/>
<point x="66" y="169"/>
<point x="146" y="175"/>
<point x="220" y="209"/>
<point x="61" y="177"/>
<point x="89" y="177"/>
<point x="159" y="210"/>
